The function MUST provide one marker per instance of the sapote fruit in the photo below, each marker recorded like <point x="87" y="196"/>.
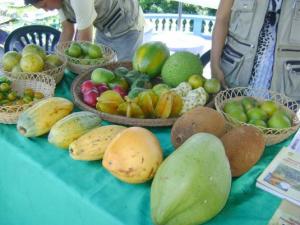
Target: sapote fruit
<point x="199" y="119"/>
<point x="244" y="146"/>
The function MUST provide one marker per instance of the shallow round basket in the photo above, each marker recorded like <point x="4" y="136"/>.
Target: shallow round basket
<point x="57" y="73"/>
<point x="77" y="96"/>
<point x="37" y="82"/>
<point x="272" y="135"/>
<point x="81" y="65"/>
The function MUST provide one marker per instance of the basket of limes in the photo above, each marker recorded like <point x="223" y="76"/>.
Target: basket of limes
<point x="17" y="94"/>
<point x="83" y="55"/>
<point x="274" y="114"/>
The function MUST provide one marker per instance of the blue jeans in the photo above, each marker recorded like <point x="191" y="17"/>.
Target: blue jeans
<point x="124" y="45"/>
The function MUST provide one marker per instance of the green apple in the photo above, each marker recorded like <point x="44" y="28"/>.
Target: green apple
<point x="94" y="51"/>
<point x="279" y="121"/>
<point x="257" y="114"/>
<point x="196" y="81"/>
<point x="232" y="105"/>
<point x="269" y="107"/>
<point x="239" y="115"/>
<point x="74" y="50"/>
<point x="248" y="103"/>
<point x="212" y="86"/>
<point x="259" y="123"/>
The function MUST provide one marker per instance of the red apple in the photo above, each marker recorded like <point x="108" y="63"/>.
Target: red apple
<point x="87" y="86"/>
<point x="101" y="88"/>
<point x="90" y="97"/>
<point x="120" y="90"/>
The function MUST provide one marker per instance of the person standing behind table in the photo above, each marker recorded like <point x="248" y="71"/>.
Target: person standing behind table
<point x="256" y="43"/>
<point x="119" y="23"/>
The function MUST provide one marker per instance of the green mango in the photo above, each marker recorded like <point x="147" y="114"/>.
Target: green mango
<point x="192" y="185"/>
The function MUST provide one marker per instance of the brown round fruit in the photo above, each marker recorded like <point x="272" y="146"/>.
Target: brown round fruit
<point x="199" y="119"/>
<point x="244" y="146"/>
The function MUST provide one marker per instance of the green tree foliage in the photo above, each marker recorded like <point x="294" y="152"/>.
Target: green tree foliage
<point x="167" y="6"/>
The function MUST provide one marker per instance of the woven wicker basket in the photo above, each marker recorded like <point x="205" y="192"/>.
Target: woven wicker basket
<point x="57" y="73"/>
<point x="38" y="82"/>
<point x="272" y="135"/>
<point x="77" y="96"/>
<point x="81" y="65"/>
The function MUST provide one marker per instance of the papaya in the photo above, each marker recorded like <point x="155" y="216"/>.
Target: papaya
<point x="192" y="185"/>
<point x="71" y="127"/>
<point x="133" y="156"/>
<point x="38" y="119"/>
<point x="92" y="145"/>
<point x="150" y="57"/>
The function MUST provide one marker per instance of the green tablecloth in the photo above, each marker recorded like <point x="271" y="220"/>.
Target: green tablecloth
<point x="42" y="185"/>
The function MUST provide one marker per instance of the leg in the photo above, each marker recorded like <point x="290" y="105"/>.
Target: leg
<point x="124" y="45"/>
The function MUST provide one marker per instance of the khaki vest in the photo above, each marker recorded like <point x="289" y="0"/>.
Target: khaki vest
<point x="114" y="17"/>
<point x="246" y="21"/>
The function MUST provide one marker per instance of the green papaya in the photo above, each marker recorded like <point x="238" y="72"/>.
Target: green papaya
<point x="192" y="185"/>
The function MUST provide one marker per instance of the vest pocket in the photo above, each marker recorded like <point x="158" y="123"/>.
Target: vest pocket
<point x="242" y="15"/>
<point x="292" y="78"/>
<point x="231" y="62"/>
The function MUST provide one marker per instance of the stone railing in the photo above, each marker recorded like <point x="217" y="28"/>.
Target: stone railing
<point x="196" y="24"/>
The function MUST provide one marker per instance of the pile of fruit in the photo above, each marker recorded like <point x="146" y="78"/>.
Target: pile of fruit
<point x="10" y="97"/>
<point x="32" y="59"/>
<point x="87" y="51"/>
<point x="267" y="114"/>
<point x="159" y="86"/>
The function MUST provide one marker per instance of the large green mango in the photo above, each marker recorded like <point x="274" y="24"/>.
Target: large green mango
<point x="192" y="185"/>
<point x="150" y="57"/>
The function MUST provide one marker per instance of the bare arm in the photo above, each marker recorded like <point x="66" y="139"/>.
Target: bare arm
<point x="67" y="33"/>
<point x="85" y="34"/>
<point x="219" y="36"/>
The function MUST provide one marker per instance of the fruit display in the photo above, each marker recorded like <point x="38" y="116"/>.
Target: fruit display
<point x="266" y="113"/>
<point x="271" y="112"/>
<point x="84" y="50"/>
<point x="129" y="93"/>
<point x="71" y="127"/>
<point x="32" y="59"/>
<point x="39" y="118"/>
<point x="133" y="155"/>
<point x="83" y="55"/>
<point x="93" y="144"/>
<point x="244" y="146"/>
<point x="192" y="185"/>
<point x="10" y="97"/>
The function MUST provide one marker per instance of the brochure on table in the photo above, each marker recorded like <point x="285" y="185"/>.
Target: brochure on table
<point x="282" y="176"/>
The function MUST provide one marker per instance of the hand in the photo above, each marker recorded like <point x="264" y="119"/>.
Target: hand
<point x="218" y="74"/>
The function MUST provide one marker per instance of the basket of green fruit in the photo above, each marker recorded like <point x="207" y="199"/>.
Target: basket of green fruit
<point x="17" y="94"/>
<point x="274" y="114"/>
<point x="33" y="60"/>
<point x="83" y="55"/>
<point x="120" y="94"/>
